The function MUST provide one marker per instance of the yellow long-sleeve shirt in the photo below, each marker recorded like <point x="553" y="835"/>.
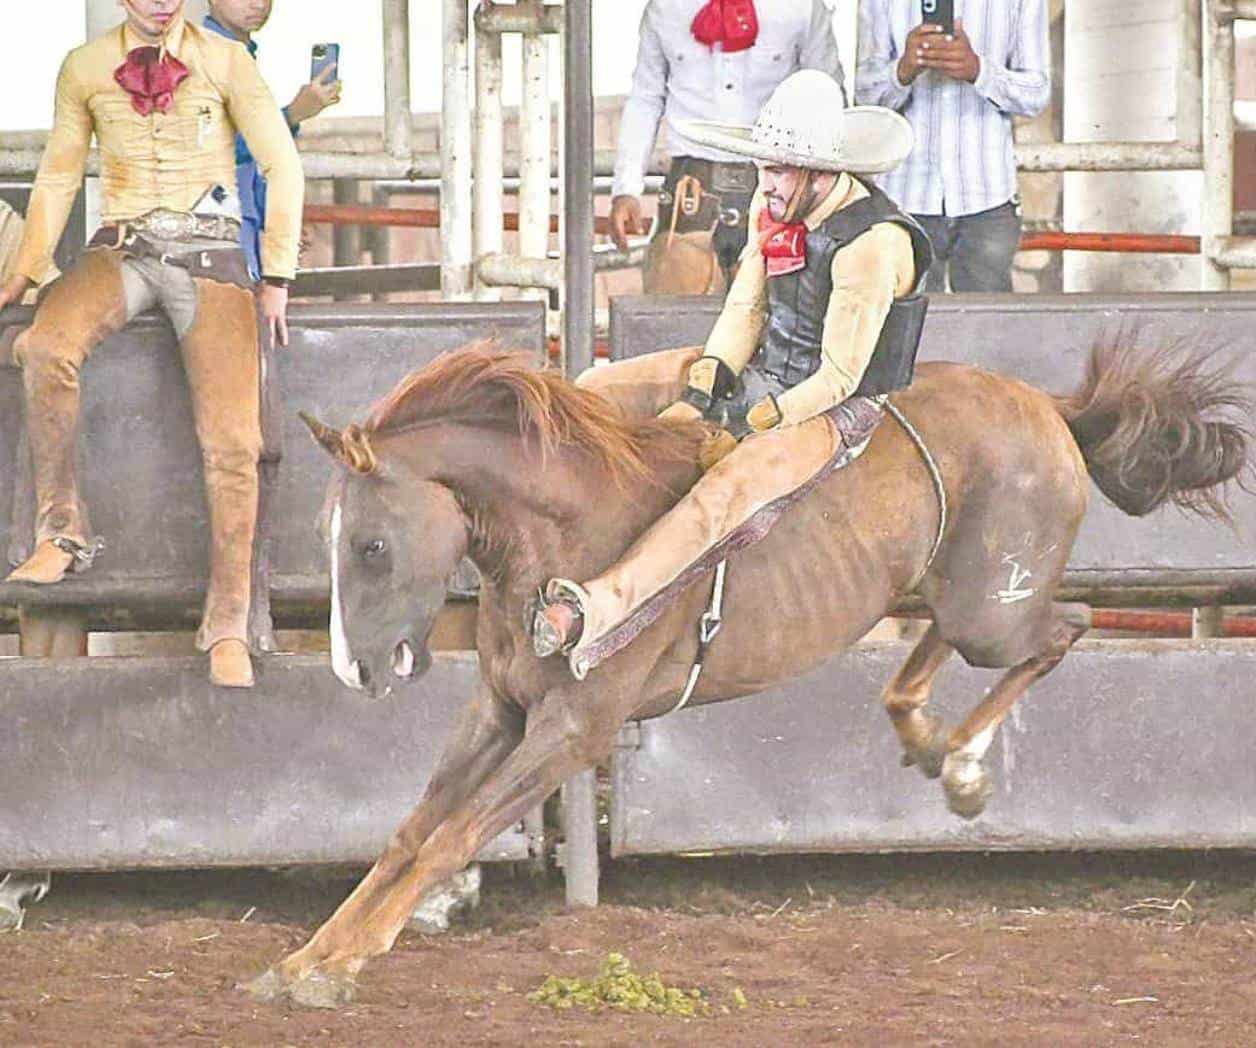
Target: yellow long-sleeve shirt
<point x="868" y="274"/>
<point x="164" y="160"/>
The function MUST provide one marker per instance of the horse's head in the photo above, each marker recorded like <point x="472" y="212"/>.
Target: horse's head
<point x="393" y="541"/>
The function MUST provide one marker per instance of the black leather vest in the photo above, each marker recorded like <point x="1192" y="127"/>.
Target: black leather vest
<point x="798" y="302"/>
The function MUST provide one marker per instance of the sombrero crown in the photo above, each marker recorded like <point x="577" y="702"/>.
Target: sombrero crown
<point x="806" y="124"/>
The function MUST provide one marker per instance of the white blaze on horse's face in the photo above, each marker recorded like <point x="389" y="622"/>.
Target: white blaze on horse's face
<point x="346" y="669"/>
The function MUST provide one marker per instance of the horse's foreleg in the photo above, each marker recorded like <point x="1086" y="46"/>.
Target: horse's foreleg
<point x="488" y="730"/>
<point x="963" y="776"/>
<point x="559" y="742"/>
<point x="923" y="735"/>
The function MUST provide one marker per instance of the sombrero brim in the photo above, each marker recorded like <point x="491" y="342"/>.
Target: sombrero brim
<point x="875" y="139"/>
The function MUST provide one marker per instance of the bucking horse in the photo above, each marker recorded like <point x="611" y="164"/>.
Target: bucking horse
<point x="481" y="454"/>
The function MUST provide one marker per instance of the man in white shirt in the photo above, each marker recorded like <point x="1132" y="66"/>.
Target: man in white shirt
<point x="718" y="61"/>
<point x="960" y="91"/>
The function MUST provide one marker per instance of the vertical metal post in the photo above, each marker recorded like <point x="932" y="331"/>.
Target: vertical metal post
<point x="455" y="148"/>
<point x="580" y="832"/>
<point x="486" y="161"/>
<point x="397" y="125"/>
<point x="534" y="154"/>
<point x="1218" y="205"/>
<point x="1207" y="622"/>
<point x="580" y="793"/>
<point x="577" y="213"/>
<point x="346" y="240"/>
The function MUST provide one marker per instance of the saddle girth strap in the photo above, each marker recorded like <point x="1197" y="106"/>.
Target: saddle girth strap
<point x="939" y="489"/>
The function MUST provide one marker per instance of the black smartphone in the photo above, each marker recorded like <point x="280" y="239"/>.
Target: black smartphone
<point x="324" y="55"/>
<point x="939" y="12"/>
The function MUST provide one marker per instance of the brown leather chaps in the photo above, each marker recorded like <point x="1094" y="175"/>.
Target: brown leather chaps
<point x="218" y="337"/>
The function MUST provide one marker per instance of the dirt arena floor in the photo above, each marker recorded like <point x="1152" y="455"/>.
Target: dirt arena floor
<point x="974" y="950"/>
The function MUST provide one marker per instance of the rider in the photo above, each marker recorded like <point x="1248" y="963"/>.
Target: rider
<point x="164" y="99"/>
<point x="819" y="324"/>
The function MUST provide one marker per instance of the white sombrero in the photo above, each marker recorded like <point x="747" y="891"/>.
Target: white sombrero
<point x="806" y="124"/>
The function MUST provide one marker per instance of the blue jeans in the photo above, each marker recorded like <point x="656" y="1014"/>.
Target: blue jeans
<point x="976" y="249"/>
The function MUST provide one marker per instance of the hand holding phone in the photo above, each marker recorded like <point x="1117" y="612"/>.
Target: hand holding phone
<point x="324" y="87"/>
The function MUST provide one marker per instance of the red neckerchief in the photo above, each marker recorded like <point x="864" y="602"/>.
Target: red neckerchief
<point x="784" y="245"/>
<point x="732" y="23"/>
<point x="150" y="78"/>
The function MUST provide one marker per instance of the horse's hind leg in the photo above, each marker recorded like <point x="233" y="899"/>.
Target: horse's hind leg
<point x="963" y="776"/>
<point x="923" y="735"/>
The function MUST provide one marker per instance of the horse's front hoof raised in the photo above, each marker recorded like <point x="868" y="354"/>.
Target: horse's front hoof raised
<point x="314" y="989"/>
<point x="967" y="785"/>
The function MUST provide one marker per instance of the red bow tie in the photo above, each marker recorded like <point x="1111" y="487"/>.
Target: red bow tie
<point x="150" y="78"/>
<point x="784" y="245"/>
<point x="732" y="23"/>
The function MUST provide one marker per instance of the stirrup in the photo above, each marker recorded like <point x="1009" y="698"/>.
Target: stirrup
<point x="547" y="639"/>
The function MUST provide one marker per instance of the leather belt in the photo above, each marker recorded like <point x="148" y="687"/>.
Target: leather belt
<point x="183" y="225"/>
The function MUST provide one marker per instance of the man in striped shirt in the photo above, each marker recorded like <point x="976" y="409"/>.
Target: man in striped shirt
<point x="960" y="92"/>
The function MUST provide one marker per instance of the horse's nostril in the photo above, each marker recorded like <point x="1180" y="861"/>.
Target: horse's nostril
<point x="364" y="673"/>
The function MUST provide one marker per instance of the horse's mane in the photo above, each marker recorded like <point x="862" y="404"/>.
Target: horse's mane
<point x="483" y="385"/>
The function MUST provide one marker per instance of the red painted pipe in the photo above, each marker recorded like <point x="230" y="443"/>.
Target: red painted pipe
<point x="1169" y="623"/>
<point x="428" y="218"/>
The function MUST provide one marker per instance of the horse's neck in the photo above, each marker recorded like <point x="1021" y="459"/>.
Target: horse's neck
<point x="531" y="522"/>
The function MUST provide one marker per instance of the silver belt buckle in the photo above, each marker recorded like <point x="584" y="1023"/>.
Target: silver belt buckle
<point x="165" y="225"/>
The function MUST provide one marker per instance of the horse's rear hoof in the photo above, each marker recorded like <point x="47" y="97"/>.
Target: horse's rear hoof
<point x="967" y="785"/>
<point x="266" y="987"/>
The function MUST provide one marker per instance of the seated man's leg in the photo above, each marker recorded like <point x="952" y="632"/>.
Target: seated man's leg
<point x="84" y="306"/>
<point x="222" y="358"/>
<point x="764" y="468"/>
<point x="643" y="386"/>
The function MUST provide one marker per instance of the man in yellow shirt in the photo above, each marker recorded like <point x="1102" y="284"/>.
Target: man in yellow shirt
<point x="820" y="323"/>
<point x="164" y="100"/>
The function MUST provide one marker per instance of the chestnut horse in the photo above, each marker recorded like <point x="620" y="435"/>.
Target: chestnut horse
<point x="480" y="454"/>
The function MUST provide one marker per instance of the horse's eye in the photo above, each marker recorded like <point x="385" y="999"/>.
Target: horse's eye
<point x="374" y="548"/>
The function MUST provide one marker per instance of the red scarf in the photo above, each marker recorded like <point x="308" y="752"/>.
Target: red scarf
<point x="732" y="23"/>
<point x="150" y="78"/>
<point x="784" y="245"/>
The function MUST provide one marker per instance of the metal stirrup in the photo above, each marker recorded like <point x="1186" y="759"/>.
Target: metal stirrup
<point x="708" y="626"/>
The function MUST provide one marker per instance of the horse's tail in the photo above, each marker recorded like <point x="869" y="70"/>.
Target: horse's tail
<point x="1162" y="425"/>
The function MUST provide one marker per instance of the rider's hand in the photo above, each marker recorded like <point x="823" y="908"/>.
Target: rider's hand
<point x="681" y="411"/>
<point x="764" y="415"/>
<point x="314" y="97"/>
<point x="919" y="42"/>
<point x="13" y="290"/>
<point x="715" y="447"/>
<point x="272" y="300"/>
<point x="952" y="56"/>
<point x="625" y="220"/>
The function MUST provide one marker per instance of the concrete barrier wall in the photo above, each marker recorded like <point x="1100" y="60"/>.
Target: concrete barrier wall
<point x="1128" y="744"/>
<point x="115" y="763"/>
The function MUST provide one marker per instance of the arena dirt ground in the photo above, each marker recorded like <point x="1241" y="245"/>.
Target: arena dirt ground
<point x="1155" y="949"/>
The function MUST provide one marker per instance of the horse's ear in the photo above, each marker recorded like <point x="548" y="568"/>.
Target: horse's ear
<point x="329" y="438"/>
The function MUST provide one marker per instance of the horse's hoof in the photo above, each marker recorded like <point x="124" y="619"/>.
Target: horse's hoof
<point x="266" y="987"/>
<point x="929" y="757"/>
<point x="967" y="785"/>
<point x="314" y="989"/>
<point x="11" y="917"/>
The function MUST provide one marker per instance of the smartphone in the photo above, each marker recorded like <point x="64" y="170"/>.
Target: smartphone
<point x="324" y="55"/>
<point x="939" y="12"/>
